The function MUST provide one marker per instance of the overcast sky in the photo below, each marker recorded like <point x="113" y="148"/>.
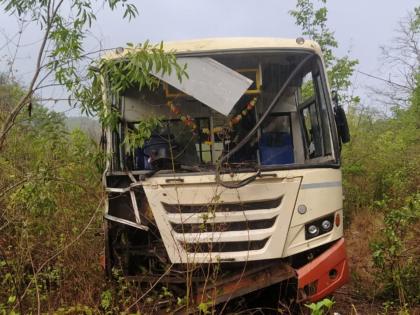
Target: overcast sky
<point x="360" y="26"/>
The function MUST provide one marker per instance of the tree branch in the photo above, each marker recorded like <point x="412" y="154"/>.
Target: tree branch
<point x="11" y="118"/>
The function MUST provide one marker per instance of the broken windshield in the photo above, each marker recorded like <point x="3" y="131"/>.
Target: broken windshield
<point x="204" y="118"/>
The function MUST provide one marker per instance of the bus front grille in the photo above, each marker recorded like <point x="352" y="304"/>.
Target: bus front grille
<point x="224" y="226"/>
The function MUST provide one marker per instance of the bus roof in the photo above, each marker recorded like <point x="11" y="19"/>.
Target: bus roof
<point x="232" y="43"/>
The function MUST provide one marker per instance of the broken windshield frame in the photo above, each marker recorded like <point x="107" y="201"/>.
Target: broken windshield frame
<point x="284" y="140"/>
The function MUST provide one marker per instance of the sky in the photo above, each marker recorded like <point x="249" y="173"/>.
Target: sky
<point x="360" y="26"/>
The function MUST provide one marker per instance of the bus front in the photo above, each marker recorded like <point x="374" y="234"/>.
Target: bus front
<point x="240" y="166"/>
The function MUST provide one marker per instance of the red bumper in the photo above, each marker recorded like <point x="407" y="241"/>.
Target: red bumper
<point x="324" y="274"/>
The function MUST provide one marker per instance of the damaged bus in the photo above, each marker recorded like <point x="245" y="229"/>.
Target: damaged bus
<point x="238" y="187"/>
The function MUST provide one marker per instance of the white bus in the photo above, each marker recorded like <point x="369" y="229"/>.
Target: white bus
<point x="241" y="175"/>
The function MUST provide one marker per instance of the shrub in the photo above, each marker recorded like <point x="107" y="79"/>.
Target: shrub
<point x="395" y="251"/>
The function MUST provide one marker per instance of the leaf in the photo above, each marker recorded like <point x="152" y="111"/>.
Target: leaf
<point x="11" y="299"/>
<point x="106" y="299"/>
<point x="328" y="303"/>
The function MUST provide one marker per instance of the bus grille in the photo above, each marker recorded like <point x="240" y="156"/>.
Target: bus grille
<point x="201" y="222"/>
<point x="206" y="234"/>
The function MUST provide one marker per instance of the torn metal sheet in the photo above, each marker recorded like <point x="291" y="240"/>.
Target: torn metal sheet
<point x="210" y="82"/>
<point x="126" y="222"/>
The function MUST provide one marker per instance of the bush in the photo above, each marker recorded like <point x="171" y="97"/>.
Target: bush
<point x="395" y="253"/>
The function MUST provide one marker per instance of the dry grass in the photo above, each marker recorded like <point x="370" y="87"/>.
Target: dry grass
<point x="364" y="225"/>
<point x="357" y="296"/>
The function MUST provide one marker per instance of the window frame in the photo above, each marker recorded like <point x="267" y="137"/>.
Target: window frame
<point x="321" y="89"/>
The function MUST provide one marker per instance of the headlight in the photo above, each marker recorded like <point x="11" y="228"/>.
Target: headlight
<point x="313" y="230"/>
<point x="319" y="226"/>
<point x="326" y="225"/>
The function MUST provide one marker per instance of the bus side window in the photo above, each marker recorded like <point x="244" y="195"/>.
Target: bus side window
<point x="314" y="117"/>
<point x="312" y="130"/>
<point x="326" y="131"/>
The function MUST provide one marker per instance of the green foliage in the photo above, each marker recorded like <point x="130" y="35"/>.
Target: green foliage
<point x="143" y="131"/>
<point x="389" y="307"/>
<point x="64" y="24"/>
<point x="415" y="106"/>
<point x="131" y="70"/>
<point x="380" y="167"/>
<point x="320" y="307"/>
<point x="204" y="307"/>
<point x="106" y="300"/>
<point x="50" y="196"/>
<point x="313" y="21"/>
<point x="380" y="164"/>
<point x="415" y="25"/>
<point x="394" y="253"/>
<point x="61" y="53"/>
<point x="49" y="191"/>
<point x="135" y="65"/>
<point x="389" y="167"/>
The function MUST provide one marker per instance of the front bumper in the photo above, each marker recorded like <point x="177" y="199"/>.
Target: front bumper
<point x="324" y="274"/>
<point x="317" y="279"/>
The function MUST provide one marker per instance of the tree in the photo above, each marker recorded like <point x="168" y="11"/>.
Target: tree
<point x="49" y="192"/>
<point x="313" y="22"/>
<point x="50" y="189"/>
<point x="402" y="57"/>
<point x="61" y="53"/>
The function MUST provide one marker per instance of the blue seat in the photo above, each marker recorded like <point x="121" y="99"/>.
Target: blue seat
<point x="141" y="160"/>
<point x="276" y="148"/>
